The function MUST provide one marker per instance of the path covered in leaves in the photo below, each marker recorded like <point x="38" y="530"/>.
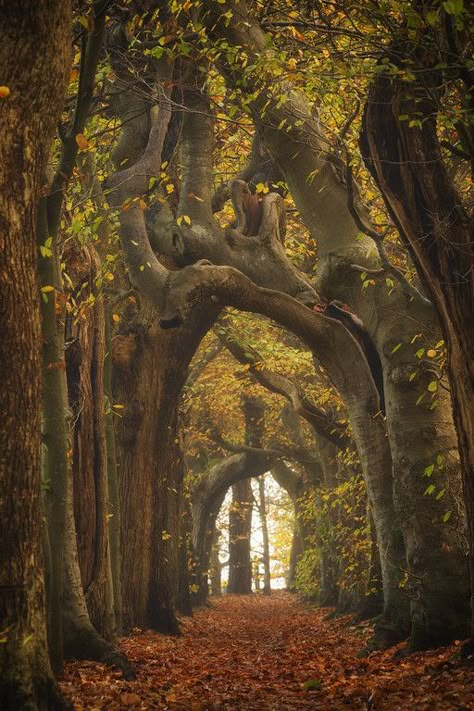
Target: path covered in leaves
<point x="260" y="654"/>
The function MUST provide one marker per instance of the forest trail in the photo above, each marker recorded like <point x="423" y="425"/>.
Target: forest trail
<point x="255" y="653"/>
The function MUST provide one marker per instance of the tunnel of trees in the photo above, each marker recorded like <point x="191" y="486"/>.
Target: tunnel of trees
<point x="236" y="238"/>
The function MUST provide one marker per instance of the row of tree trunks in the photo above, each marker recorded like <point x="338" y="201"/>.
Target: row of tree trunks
<point x="418" y="434"/>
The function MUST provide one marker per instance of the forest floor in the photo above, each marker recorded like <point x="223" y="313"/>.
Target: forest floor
<point x="256" y="653"/>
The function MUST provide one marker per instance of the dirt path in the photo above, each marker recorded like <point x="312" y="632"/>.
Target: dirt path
<point x="258" y="654"/>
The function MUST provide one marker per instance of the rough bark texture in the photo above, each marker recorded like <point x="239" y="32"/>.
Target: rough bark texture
<point x="37" y="39"/>
<point x="85" y="369"/>
<point x="150" y="368"/>
<point x="409" y="169"/>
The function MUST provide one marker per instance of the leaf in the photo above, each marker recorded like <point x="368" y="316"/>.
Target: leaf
<point x="429" y="490"/>
<point x="312" y="685"/>
<point x="128" y="699"/>
<point x="429" y="470"/>
<point x="433" y="386"/>
<point x="47" y="289"/>
<point x="4" y="92"/>
<point x="82" y="141"/>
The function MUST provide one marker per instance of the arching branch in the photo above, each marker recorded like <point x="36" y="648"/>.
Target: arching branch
<point x="323" y="423"/>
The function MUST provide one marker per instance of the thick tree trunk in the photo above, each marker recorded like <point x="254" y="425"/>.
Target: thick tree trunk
<point x="85" y="369"/>
<point x="240" y="529"/>
<point x="425" y="205"/>
<point x="150" y="369"/>
<point x="34" y="55"/>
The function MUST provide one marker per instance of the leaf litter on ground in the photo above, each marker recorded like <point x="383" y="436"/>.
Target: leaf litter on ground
<point x="256" y="653"/>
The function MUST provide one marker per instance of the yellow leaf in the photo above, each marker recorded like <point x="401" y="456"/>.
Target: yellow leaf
<point x="169" y="188"/>
<point x="4" y="92"/>
<point x="431" y="353"/>
<point x="109" y="276"/>
<point x="116" y="318"/>
<point x="47" y="289"/>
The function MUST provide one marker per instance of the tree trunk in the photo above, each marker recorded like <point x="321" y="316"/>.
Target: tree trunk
<point x="262" y="510"/>
<point x="215" y="572"/>
<point x="85" y="369"/>
<point x="297" y="549"/>
<point x="425" y="205"/>
<point x="81" y="640"/>
<point x="55" y="431"/>
<point x="240" y="528"/>
<point x="150" y="369"/>
<point x="34" y="55"/>
<point x="114" y="514"/>
<point x="372" y="603"/>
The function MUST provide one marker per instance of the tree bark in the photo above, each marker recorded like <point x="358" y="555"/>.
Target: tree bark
<point x="240" y="529"/>
<point x="85" y="359"/>
<point x="434" y="224"/>
<point x="150" y="369"/>
<point x="37" y="39"/>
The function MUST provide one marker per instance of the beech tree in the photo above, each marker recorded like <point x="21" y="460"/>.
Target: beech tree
<point x="37" y="38"/>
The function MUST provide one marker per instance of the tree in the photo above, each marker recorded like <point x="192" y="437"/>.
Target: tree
<point x="37" y="38"/>
<point x="422" y="196"/>
<point x="298" y="144"/>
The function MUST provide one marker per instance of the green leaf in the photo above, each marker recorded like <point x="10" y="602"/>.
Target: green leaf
<point x="429" y="490"/>
<point x="429" y="470"/>
<point x="446" y="516"/>
<point x="312" y="684"/>
<point x="433" y="386"/>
